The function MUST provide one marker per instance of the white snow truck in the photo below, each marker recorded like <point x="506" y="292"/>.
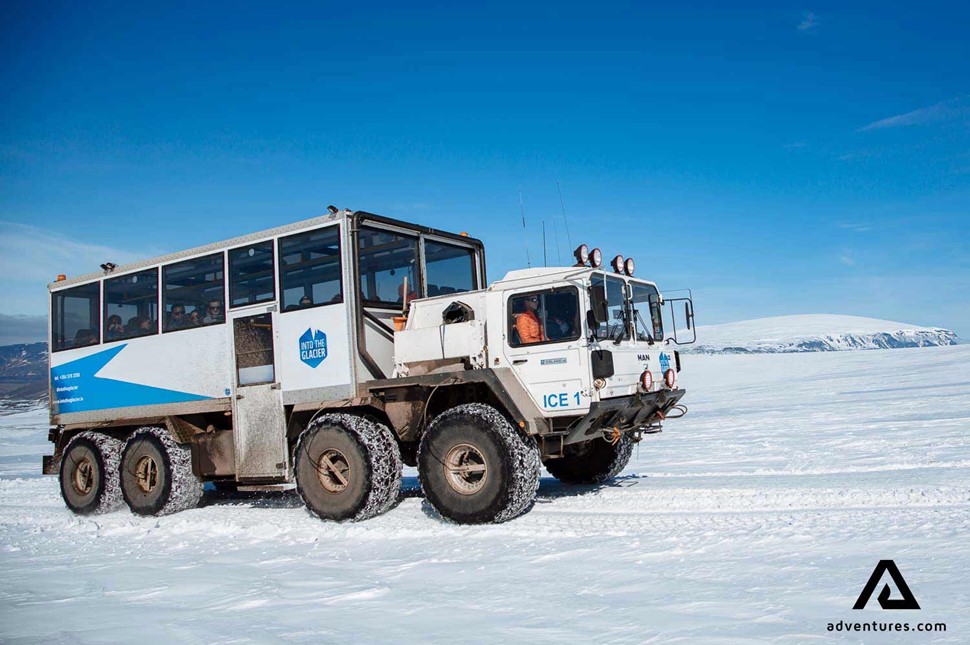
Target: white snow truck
<point x="328" y="352"/>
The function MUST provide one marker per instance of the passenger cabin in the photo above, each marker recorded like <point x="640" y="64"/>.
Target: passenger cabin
<point x="241" y="334"/>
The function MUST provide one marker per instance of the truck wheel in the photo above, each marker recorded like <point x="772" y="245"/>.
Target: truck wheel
<point x="89" y="473"/>
<point x="347" y="467"/>
<point x="597" y="461"/>
<point x="156" y="474"/>
<point x="476" y="468"/>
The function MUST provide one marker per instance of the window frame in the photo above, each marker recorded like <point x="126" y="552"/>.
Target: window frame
<point x="651" y="304"/>
<point x="104" y="306"/>
<point x="229" y="274"/>
<point x="418" y="267"/>
<point x="56" y="316"/>
<point x="510" y="320"/>
<point x="163" y="300"/>
<point x="627" y="306"/>
<point x="473" y="257"/>
<point x="281" y="268"/>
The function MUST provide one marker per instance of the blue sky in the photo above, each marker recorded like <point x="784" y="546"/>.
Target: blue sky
<point x="778" y="158"/>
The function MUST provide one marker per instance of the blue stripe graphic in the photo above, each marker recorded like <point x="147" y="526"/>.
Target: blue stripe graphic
<point x="77" y="388"/>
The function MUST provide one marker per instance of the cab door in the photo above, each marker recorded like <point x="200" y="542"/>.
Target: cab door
<point x="259" y="424"/>
<point x="548" y="359"/>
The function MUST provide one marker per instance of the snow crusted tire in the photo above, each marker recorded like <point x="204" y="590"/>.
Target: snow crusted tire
<point x="600" y="461"/>
<point x="347" y="467"/>
<point x="476" y="468"/>
<point x="156" y="474"/>
<point x="89" y="473"/>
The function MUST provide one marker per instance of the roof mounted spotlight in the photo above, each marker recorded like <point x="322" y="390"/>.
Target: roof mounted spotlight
<point x="333" y="209"/>
<point x="617" y="264"/>
<point x="108" y="267"/>
<point x="582" y="255"/>
<point x="629" y="266"/>
<point x="596" y="258"/>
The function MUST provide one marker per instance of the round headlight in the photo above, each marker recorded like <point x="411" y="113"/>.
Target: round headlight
<point x="582" y="253"/>
<point x="629" y="266"/>
<point x="618" y="264"/>
<point x="670" y="378"/>
<point x="595" y="258"/>
<point x="646" y="380"/>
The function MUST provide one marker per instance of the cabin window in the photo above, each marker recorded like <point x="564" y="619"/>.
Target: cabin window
<point x="449" y="268"/>
<point x="310" y="269"/>
<point x="131" y="306"/>
<point x="548" y="316"/>
<point x="616" y="327"/>
<point x="75" y="315"/>
<point x="388" y="263"/>
<point x="192" y="293"/>
<point x="251" y="278"/>
<point x="253" y="336"/>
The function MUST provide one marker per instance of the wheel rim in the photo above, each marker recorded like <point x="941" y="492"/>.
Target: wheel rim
<point x="333" y="471"/>
<point x="83" y="477"/>
<point x="465" y="469"/>
<point x="146" y="474"/>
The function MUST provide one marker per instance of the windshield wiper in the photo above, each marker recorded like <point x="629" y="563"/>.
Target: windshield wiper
<point x="646" y="332"/>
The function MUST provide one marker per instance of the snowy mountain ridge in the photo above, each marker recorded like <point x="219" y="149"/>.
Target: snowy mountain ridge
<point x="815" y="333"/>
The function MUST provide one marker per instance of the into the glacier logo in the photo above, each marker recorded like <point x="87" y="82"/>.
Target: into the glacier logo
<point x="313" y="347"/>
<point x="908" y="600"/>
<point x="664" y="362"/>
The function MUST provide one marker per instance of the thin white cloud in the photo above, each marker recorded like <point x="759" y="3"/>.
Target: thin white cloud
<point x="809" y="21"/>
<point x="942" y="111"/>
<point x="31" y="253"/>
<point x="846" y="258"/>
<point x="858" y="227"/>
<point x="31" y="257"/>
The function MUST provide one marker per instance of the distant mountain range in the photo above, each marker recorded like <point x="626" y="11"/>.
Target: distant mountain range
<point x="24" y="370"/>
<point x="815" y="333"/>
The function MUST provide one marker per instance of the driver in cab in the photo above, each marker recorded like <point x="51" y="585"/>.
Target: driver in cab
<point x="527" y="323"/>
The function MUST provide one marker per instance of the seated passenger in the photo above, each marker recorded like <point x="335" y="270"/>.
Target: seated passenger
<point x="527" y="323"/>
<point x="177" y="318"/>
<point x="213" y="312"/>
<point x="560" y="319"/>
<point x="116" y="328"/>
<point x="195" y="318"/>
<point x="85" y="337"/>
<point x="306" y="301"/>
<point x="138" y="326"/>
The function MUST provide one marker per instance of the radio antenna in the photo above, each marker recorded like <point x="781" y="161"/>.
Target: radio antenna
<point x="555" y="228"/>
<point x="525" y="232"/>
<point x="545" y="258"/>
<point x="562" y="204"/>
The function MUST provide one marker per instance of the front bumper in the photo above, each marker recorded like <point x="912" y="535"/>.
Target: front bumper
<point x="625" y="413"/>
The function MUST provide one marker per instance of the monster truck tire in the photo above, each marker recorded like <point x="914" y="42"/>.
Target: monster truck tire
<point x="156" y="474"/>
<point x="89" y="473"/>
<point x="598" y="461"/>
<point x="347" y="467"/>
<point x="475" y="468"/>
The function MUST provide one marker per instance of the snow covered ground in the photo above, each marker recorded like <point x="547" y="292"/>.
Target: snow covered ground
<point x="758" y="516"/>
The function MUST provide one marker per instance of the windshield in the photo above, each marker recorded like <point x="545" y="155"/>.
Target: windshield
<point x="616" y="325"/>
<point x="646" y="312"/>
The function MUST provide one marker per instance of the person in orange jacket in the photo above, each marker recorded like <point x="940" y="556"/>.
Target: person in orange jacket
<point x="528" y="324"/>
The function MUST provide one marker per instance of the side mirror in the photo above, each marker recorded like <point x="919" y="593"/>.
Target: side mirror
<point x="599" y="310"/>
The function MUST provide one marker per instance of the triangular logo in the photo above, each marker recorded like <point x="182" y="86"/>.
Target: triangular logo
<point x="908" y="600"/>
